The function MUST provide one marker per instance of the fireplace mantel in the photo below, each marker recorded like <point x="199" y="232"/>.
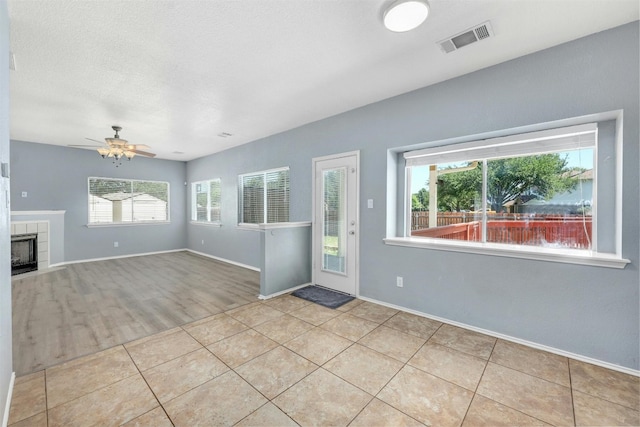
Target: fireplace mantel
<point x="36" y="213"/>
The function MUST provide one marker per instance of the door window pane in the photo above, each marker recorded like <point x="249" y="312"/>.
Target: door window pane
<point x="334" y="220"/>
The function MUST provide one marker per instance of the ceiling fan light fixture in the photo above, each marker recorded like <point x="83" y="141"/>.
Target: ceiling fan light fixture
<point x="405" y="15"/>
<point x="117" y="148"/>
<point x="117" y="141"/>
<point x="104" y="152"/>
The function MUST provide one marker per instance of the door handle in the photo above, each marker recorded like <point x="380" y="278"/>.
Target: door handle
<point x="352" y="232"/>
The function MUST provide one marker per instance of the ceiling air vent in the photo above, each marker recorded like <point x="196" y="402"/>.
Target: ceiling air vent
<point x="472" y="35"/>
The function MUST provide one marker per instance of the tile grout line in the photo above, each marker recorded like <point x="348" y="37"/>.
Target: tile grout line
<point x="573" y="401"/>
<point x="279" y="345"/>
<point x="150" y="389"/>
<point x="475" y="391"/>
<point x="283" y="391"/>
<point x="46" y="398"/>
<point x="92" y="391"/>
<point x="405" y="364"/>
<point x="318" y="367"/>
<point x="366" y="392"/>
<point x="597" y="396"/>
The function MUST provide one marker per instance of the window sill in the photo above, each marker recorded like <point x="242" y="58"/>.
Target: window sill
<point x="248" y="226"/>
<point x="271" y="225"/>
<point x="128" y="224"/>
<point x="554" y="255"/>
<point x="206" y="224"/>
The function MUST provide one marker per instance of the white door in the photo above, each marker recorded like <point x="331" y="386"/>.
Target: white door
<point x="335" y="222"/>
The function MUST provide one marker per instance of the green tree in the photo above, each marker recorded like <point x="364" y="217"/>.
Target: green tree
<point x="540" y="176"/>
<point x="460" y="191"/>
<point x="99" y="186"/>
<point x="155" y="189"/>
<point x="415" y="203"/>
<point x="421" y="200"/>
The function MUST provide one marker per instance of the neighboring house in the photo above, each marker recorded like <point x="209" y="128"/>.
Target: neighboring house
<point x="574" y="201"/>
<point x="118" y="207"/>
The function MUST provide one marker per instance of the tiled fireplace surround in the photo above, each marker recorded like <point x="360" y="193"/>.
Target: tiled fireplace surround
<point x="31" y="227"/>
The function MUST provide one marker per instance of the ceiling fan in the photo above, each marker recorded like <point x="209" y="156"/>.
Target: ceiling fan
<point x="117" y="148"/>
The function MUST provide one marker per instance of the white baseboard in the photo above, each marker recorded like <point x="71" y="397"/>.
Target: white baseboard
<point x="531" y="344"/>
<point x="61" y="264"/>
<point x="286" y="291"/>
<point x="228" y="261"/>
<point x="7" y="406"/>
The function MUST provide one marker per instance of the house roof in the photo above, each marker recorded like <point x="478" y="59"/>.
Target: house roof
<point x="583" y="175"/>
<point x="114" y="197"/>
<point x="190" y="78"/>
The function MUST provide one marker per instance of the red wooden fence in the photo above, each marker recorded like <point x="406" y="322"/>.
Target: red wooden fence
<point x="564" y="232"/>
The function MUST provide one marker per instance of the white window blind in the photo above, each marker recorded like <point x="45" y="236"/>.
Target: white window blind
<point x="264" y="196"/>
<point x="206" y="200"/>
<point x="547" y="141"/>
<point x="117" y="201"/>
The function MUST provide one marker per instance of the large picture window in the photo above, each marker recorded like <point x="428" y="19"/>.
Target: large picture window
<point x="206" y="198"/>
<point x="533" y="190"/>
<point x="264" y="197"/>
<point x="127" y="201"/>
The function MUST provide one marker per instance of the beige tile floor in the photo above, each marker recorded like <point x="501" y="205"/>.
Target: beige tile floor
<point x="286" y="362"/>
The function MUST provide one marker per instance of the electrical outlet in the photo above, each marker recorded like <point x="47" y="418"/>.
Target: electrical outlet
<point x="115" y="244"/>
<point x="399" y="282"/>
<point x="203" y="242"/>
<point x="24" y="194"/>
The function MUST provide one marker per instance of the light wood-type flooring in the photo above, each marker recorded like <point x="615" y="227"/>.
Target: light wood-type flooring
<point x="84" y="308"/>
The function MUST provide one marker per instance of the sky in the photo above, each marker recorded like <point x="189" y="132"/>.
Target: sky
<point x="576" y="158"/>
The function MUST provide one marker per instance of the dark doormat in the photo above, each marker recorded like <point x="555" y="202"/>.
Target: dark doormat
<point x="323" y="296"/>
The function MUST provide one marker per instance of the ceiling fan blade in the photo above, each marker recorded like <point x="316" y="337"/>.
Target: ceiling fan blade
<point x="143" y="146"/>
<point x="143" y="153"/>
<point x="83" y="146"/>
<point x="95" y="140"/>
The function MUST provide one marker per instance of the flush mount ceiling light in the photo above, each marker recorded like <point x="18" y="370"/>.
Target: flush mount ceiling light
<point x="405" y="15"/>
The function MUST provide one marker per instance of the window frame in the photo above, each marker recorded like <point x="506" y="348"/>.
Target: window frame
<point x="194" y="214"/>
<point x="264" y="173"/>
<point x="132" y="222"/>
<point x="399" y="204"/>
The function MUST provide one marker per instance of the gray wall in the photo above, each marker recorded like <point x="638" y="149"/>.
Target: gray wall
<point x="6" y="366"/>
<point x="585" y="310"/>
<point x="286" y="259"/>
<point x="56" y="178"/>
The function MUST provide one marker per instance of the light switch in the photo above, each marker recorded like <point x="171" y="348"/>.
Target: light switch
<point x="370" y="203"/>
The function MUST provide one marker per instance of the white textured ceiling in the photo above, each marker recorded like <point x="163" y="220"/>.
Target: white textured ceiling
<point x="177" y="73"/>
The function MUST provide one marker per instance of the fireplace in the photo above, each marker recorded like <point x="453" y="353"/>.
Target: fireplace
<point x="24" y="253"/>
